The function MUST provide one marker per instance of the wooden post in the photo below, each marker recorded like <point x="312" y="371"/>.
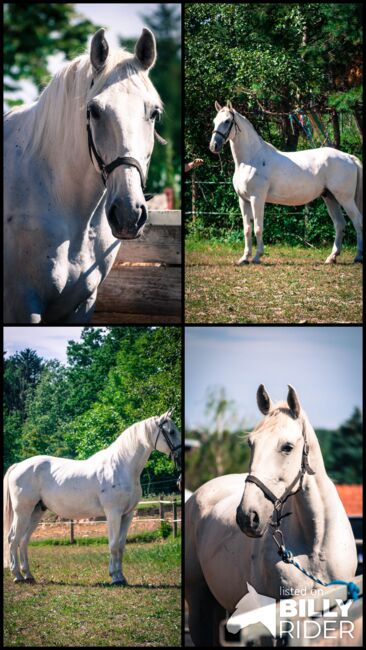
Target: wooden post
<point x="175" y="517"/>
<point x="72" y="538"/>
<point x="193" y="196"/>
<point x="161" y="507"/>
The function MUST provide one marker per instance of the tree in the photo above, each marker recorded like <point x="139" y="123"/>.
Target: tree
<point x="269" y="59"/>
<point x="165" y="169"/>
<point x="32" y="32"/>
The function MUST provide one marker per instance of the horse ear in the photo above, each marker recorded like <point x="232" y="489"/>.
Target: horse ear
<point x="263" y="400"/>
<point x="293" y="401"/>
<point x="229" y="105"/>
<point x="145" y="49"/>
<point x="217" y="106"/>
<point x="99" y="50"/>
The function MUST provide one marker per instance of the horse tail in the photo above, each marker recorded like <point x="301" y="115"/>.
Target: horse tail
<point x="8" y="516"/>
<point x="359" y="193"/>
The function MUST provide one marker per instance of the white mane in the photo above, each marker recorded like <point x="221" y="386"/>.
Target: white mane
<point x="63" y="102"/>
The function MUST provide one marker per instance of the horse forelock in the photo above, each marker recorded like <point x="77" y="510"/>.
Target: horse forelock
<point x="63" y="102"/>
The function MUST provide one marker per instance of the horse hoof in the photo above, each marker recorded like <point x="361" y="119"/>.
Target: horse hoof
<point x="241" y="262"/>
<point x="120" y="583"/>
<point x="331" y="260"/>
<point x="30" y="580"/>
<point x="19" y="579"/>
<point x="256" y="261"/>
<point x="358" y="260"/>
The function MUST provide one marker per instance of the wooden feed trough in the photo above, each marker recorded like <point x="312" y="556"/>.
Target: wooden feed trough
<point x="144" y="285"/>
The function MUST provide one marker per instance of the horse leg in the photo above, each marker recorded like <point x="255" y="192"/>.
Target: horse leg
<point x="17" y="531"/>
<point x="355" y="215"/>
<point x="336" y="214"/>
<point x="84" y="312"/>
<point x="23" y="545"/>
<point x="125" y="524"/>
<point x="205" y="615"/>
<point x="258" y="214"/>
<point x="246" y="212"/>
<point x="114" y="527"/>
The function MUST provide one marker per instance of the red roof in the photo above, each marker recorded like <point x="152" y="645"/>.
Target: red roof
<point x="351" y="497"/>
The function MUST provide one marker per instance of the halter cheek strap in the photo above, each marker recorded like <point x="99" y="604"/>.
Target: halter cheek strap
<point x="104" y="169"/>
<point x="279" y="502"/>
<point x="233" y="122"/>
<point x="173" y="449"/>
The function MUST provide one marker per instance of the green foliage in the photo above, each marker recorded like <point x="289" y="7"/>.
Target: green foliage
<point x="113" y="379"/>
<point x="33" y="32"/>
<point x="286" y="56"/>
<point x="165" y="529"/>
<point x="165" y="168"/>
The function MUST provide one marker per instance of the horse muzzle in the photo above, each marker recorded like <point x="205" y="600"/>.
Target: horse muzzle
<point x="216" y="144"/>
<point x="249" y="523"/>
<point x="127" y="221"/>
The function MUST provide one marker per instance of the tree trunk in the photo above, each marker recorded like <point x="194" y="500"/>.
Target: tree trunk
<point x="336" y="130"/>
<point x="359" y="121"/>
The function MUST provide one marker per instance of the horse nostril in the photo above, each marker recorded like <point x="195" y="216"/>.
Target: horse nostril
<point x="253" y="519"/>
<point x="112" y="217"/>
<point x="143" y="216"/>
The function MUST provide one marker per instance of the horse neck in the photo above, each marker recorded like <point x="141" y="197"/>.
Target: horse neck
<point x="317" y="502"/>
<point x="134" y="446"/>
<point x="246" y="141"/>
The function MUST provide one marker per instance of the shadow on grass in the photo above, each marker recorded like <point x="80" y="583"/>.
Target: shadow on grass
<point x="104" y="585"/>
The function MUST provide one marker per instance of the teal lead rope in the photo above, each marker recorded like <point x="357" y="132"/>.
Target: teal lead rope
<point x="287" y="556"/>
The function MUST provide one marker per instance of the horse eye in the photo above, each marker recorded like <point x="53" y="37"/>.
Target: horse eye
<point x="94" y="112"/>
<point x="287" y="448"/>
<point x="155" y="115"/>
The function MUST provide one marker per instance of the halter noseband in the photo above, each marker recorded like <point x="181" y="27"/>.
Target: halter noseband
<point x="173" y="449"/>
<point x="228" y="131"/>
<point x="279" y="502"/>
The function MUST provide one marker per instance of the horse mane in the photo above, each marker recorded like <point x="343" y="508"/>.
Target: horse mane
<point x="59" y="114"/>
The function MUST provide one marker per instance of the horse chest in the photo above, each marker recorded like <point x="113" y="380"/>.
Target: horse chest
<point x="248" y="181"/>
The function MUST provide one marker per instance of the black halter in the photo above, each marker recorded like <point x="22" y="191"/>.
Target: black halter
<point x="279" y="502"/>
<point x="228" y="131"/>
<point x="173" y="449"/>
<point x="105" y="170"/>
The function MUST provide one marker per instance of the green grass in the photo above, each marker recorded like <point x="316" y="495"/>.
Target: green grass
<point x="73" y="603"/>
<point x="291" y="285"/>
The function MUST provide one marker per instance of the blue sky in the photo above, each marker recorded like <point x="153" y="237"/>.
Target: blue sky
<point x="120" y="20"/>
<point x="324" y="364"/>
<point x="48" y="342"/>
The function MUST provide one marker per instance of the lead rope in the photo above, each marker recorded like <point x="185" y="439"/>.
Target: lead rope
<point x="287" y="556"/>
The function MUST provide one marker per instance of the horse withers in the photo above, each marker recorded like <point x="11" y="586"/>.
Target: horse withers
<point x="229" y="522"/>
<point x="263" y="174"/>
<point x="107" y="484"/>
<point x="76" y="163"/>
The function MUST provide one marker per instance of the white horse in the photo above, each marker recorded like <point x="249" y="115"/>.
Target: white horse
<point x="286" y="473"/>
<point x="265" y="175"/>
<point x="107" y="484"/>
<point x="76" y="163"/>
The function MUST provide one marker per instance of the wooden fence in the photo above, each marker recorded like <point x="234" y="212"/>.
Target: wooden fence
<point x="258" y="634"/>
<point x="144" y="285"/>
<point x="162" y="505"/>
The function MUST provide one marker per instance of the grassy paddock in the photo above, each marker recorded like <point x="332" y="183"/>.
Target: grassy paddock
<point x="73" y="603"/>
<point x="291" y="285"/>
